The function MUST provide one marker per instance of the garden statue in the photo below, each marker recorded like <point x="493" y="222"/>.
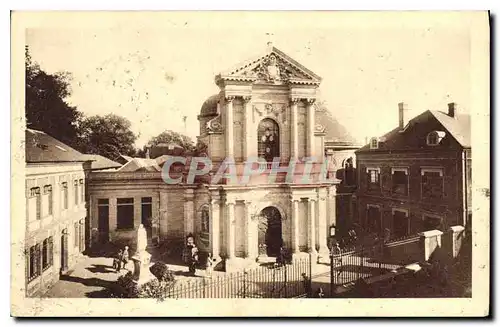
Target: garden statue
<point x="141" y="258"/>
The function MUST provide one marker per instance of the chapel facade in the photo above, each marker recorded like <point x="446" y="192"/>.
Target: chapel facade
<point x="265" y="109"/>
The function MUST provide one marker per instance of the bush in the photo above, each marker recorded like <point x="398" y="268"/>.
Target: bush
<point x="161" y="272"/>
<point x="155" y="289"/>
<point x="125" y="287"/>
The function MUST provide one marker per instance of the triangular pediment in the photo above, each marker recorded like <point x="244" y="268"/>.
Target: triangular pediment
<point x="272" y="67"/>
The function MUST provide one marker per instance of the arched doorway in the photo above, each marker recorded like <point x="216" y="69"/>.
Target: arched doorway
<point x="270" y="232"/>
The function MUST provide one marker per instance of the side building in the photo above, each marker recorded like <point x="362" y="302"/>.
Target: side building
<point x="417" y="177"/>
<point x="55" y="210"/>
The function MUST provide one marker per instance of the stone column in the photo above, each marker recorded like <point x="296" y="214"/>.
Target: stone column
<point x="312" y="228"/>
<point x="188" y="212"/>
<point x="294" y="139"/>
<point x="310" y="128"/>
<point x="429" y="242"/>
<point x="231" y="224"/>
<point x="322" y="225"/>
<point x="248" y="132"/>
<point x="215" y="227"/>
<point x="251" y="243"/>
<point x="457" y="234"/>
<point x="332" y="206"/>
<point x="229" y="127"/>
<point x="295" y="225"/>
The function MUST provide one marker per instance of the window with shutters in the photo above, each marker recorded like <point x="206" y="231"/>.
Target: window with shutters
<point x="400" y="223"/>
<point x="432" y="183"/>
<point x="35" y="193"/>
<point x="75" y="184"/>
<point x="65" y="194"/>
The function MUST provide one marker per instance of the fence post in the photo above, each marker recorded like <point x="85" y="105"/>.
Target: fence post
<point x="244" y="283"/>
<point x="331" y="273"/>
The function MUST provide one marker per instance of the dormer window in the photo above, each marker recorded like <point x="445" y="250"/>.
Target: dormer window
<point x="435" y="137"/>
<point x="373" y="143"/>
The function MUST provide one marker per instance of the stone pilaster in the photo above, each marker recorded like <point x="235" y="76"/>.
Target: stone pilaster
<point x="215" y="227"/>
<point x="251" y="242"/>
<point x="249" y="131"/>
<point x="229" y="127"/>
<point x="310" y="128"/>
<point x="188" y="212"/>
<point x="163" y="221"/>
<point x="231" y="226"/>
<point x="322" y="224"/>
<point x="295" y="226"/>
<point x="312" y="226"/>
<point x="137" y="211"/>
<point x="294" y="139"/>
<point x="113" y="220"/>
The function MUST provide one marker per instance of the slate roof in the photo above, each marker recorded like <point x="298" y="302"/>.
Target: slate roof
<point x="458" y="128"/>
<point x="41" y="147"/>
<point x="99" y="162"/>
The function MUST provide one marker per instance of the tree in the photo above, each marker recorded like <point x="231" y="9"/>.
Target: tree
<point x="46" y="106"/>
<point x="109" y="136"/>
<point x="169" y="136"/>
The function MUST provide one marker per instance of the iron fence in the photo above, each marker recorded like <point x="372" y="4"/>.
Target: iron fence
<point x="268" y="281"/>
<point x="361" y="261"/>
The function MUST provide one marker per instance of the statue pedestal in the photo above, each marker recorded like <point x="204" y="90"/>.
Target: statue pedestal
<point x="142" y="274"/>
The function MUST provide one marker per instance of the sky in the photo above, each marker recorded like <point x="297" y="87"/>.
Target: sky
<point x="156" y="68"/>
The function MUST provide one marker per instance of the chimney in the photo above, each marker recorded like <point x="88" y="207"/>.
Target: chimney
<point x="403" y="110"/>
<point x="452" y="109"/>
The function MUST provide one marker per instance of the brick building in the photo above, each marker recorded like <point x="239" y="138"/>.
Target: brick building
<point x="55" y="210"/>
<point x="265" y="108"/>
<point x="417" y="177"/>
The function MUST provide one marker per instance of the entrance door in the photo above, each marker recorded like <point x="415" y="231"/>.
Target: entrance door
<point x="64" y="250"/>
<point x="270" y="231"/>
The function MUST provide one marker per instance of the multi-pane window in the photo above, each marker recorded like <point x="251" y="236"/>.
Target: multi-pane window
<point x="400" y="223"/>
<point x="33" y="262"/>
<point x="400" y="181"/>
<point x="432" y="183"/>
<point x="35" y="192"/>
<point x="47" y="189"/>
<point x="373" y="143"/>
<point x="75" y="183"/>
<point x="373" y="220"/>
<point x="125" y="213"/>
<point x="47" y="253"/>
<point x="82" y="191"/>
<point x="373" y="175"/>
<point x="65" y="194"/>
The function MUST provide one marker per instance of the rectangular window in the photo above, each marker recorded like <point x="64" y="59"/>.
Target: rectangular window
<point x="75" y="183"/>
<point x="125" y="213"/>
<point x="431" y="222"/>
<point x="146" y="211"/>
<point x="373" y="220"/>
<point x="373" y="178"/>
<point x="34" y="262"/>
<point x="35" y="192"/>
<point x="400" y="223"/>
<point x="77" y="237"/>
<point x="432" y="183"/>
<point x="47" y="189"/>
<point x="400" y="181"/>
<point x="47" y="253"/>
<point x="65" y="194"/>
<point x="82" y="191"/>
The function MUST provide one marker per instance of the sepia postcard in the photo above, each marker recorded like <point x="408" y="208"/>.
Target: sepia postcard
<point x="191" y="164"/>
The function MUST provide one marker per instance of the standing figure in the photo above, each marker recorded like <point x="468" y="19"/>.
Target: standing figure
<point x="117" y="264"/>
<point x="209" y="266"/>
<point x="125" y="257"/>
